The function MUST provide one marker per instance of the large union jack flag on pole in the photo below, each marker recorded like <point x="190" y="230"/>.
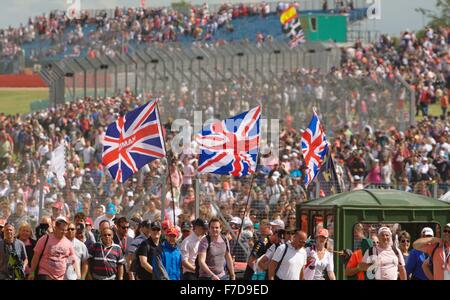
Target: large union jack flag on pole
<point x="133" y="141"/>
<point x="314" y="148"/>
<point x="230" y="147"/>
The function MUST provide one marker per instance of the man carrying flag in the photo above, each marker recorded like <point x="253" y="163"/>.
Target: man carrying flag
<point x="314" y="148"/>
<point x="133" y="141"/>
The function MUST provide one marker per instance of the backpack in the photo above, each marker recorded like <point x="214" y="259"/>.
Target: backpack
<point x="281" y="261"/>
<point x="430" y="264"/>
<point x="197" y="263"/>
<point x="371" y="250"/>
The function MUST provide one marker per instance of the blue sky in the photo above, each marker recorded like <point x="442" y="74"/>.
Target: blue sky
<point x="396" y="14"/>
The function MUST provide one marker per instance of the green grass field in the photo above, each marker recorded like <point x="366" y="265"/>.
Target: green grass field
<point x="14" y="101"/>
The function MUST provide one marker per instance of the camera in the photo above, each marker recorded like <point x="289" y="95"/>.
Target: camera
<point x="41" y="230"/>
<point x="80" y="228"/>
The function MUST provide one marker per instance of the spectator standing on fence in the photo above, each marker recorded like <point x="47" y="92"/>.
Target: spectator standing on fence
<point x="214" y="254"/>
<point x="52" y="254"/>
<point x="106" y="258"/>
<point x="289" y="259"/>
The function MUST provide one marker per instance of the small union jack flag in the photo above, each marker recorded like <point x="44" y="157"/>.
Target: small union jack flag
<point x="133" y="141"/>
<point x="230" y="147"/>
<point x="314" y="148"/>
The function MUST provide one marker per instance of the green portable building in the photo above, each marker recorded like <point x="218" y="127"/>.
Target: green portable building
<point x="340" y="213"/>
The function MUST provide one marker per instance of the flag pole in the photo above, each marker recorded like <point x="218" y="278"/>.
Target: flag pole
<point x="248" y="200"/>
<point x="168" y="166"/>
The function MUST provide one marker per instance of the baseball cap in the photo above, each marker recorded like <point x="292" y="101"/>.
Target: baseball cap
<point x="199" y="222"/>
<point x="111" y="209"/>
<point x="236" y="220"/>
<point x="323" y="232"/>
<point x="427" y="231"/>
<point x="145" y="224"/>
<point x="61" y="219"/>
<point x="278" y="223"/>
<point x="186" y="225"/>
<point x="57" y="205"/>
<point x="89" y="221"/>
<point x="172" y="231"/>
<point x="155" y="225"/>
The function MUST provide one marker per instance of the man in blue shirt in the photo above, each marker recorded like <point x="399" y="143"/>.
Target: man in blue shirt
<point x="416" y="259"/>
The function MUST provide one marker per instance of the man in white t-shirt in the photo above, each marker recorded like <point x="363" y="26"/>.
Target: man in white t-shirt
<point x="288" y="264"/>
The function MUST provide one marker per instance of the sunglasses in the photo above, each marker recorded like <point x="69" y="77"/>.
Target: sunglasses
<point x="71" y="229"/>
<point x="446" y="231"/>
<point x="107" y="235"/>
<point x="404" y="241"/>
<point x="124" y="227"/>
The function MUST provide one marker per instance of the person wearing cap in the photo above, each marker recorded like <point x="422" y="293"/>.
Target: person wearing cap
<point x="110" y="212"/>
<point x="9" y="246"/>
<point x="416" y="259"/>
<point x="106" y="258"/>
<point x="214" y="253"/>
<point x="149" y="256"/>
<point x="277" y="223"/>
<point x="261" y="244"/>
<point x="171" y="255"/>
<point x="320" y="260"/>
<point x="189" y="249"/>
<point x="57" y="208"/>
<point x="52" y="254"/>
<point x="384" y="261"/>
<point x="185" y="231"/>
<point x="142" y="234"/>
<point x="438" y="249"/>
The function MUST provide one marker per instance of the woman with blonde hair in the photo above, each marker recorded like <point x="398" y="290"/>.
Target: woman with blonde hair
<point x="25" y="235"/>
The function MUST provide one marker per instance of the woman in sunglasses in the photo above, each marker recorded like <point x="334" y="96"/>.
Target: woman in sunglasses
<point x="404" y="239"/>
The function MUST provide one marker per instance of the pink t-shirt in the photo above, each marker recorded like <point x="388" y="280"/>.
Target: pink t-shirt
<point x="438" y="260"/>
<point x="386" y="263"/>
<point x="57" y="255"/>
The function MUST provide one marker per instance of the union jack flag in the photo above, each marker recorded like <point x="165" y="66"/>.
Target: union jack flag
<point x="230" y="147"/>
<point x="314" y="148"/>
<point x="133" y="141"/>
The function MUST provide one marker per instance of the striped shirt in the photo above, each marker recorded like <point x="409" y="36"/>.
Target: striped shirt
<point x="105" y="260"/>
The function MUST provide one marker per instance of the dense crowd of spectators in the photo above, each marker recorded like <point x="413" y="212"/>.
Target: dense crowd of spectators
<point x="360" y="103"/>
<point x="103" y="33"/>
